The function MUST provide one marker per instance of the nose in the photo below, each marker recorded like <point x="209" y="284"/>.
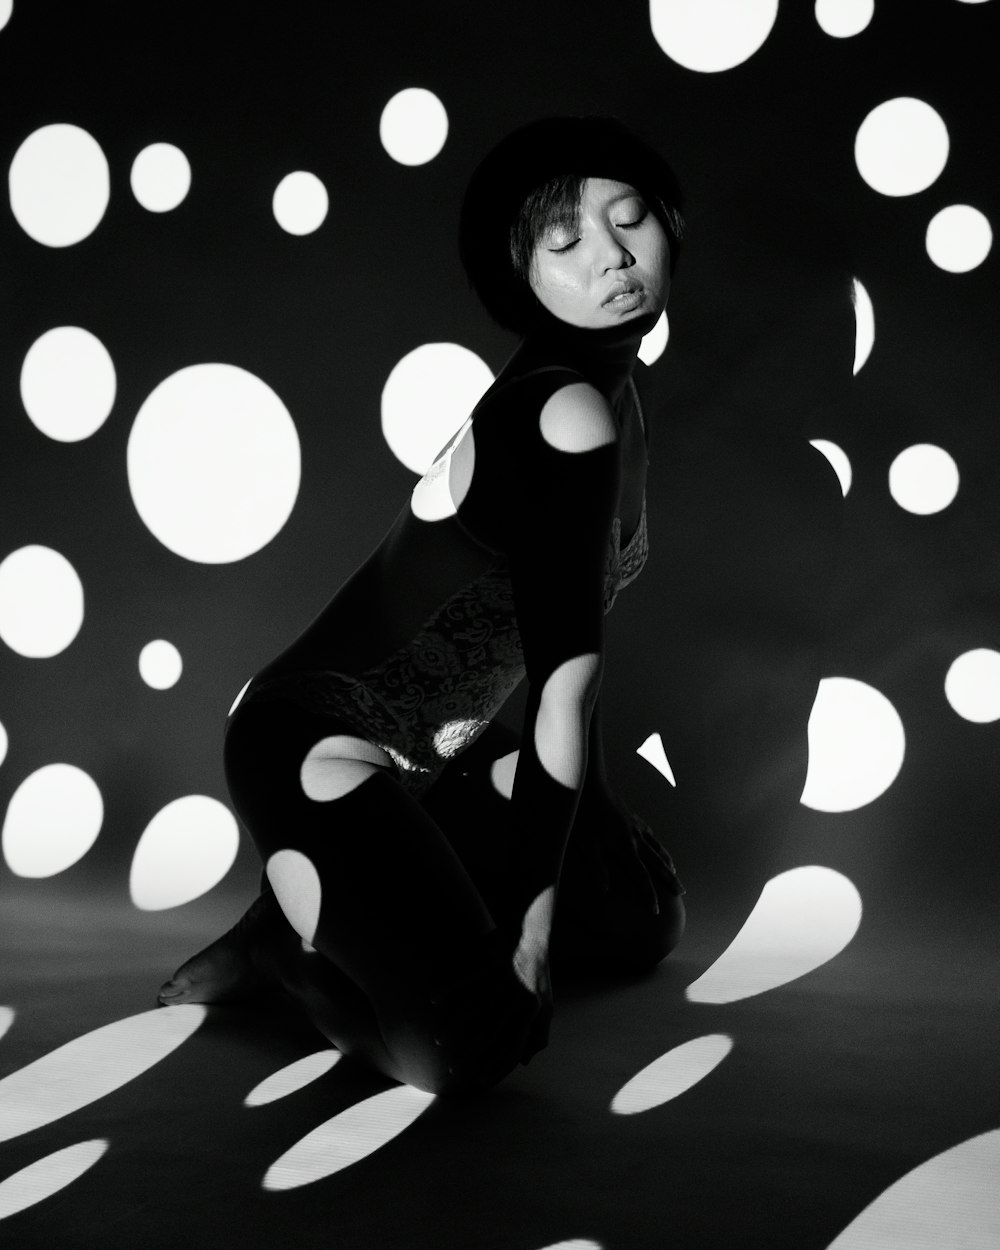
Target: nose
<point x="612" y="253"/>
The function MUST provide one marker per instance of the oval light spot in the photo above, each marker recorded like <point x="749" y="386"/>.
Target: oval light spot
<point x="300" y="203"/>
<point x="856" y="746"/>
<point x="413" y="126"/>
<point x="290" y="1079"/>
<point x="560" y="732"/>
<point x="41" y="602"/>
<point x="923" y="479"/>
<point x="864" y="326"/>
<point x="711" y="35"/>
<point x="802" y="920"/>
<point x="45" y="1177"/>
<point x="59" y="185"/>
<point x="185" y="850"/>
<point x="337" y="765"/>
<point x="160" y="177"/>
<point x="53" y="819"/>
<point x="160" y="664"/>
<point x="296" y="885"/>
<point x="843" y="18"/>
<point x="68" y="383"/>
<point x="672" y="1074"/>
<point x="959" y="238"/>
<point x="901" y="147"/>
<point x="972" y="685"/>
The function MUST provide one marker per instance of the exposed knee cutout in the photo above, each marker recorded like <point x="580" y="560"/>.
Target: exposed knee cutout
<point x="337" y="765"/>
<point x="577" y="418"/>
<point x="560" y="730"/>
<point x="297" y="888"/>
<point x="502" y="774"/>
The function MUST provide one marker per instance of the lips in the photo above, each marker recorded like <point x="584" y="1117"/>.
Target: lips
<point x="622" y="292"/>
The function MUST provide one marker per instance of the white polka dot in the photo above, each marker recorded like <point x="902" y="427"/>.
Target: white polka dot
<point x="427" y="399"/>
<point x="923" y="479"/>
<point x="290" y="1079"/>
<point x="41" y="602"/>
<point x="45" y="1177"/>
<point x="3" y="744"/>
<point x="949" y="1201"/>
<point x="6" y="8"/>
<point x="652" y="751"/>
<point x="672" y="1074"/>
<point x="161" y="177"/>
<point x="838" y="459"/>
<point x="441" y="491"/>
<point x="297" y="888"/>
<point x="502" y="773"/>
<point x="560" y="729"/>
<point x="337" y="765"/>
<point x="213" y="463"/>
<point x="901" y="147"/>
<point x="844" y="18"/>
<point x="802" y="920"/>
<point x="53" y="820"/>
<point x="300" y="203"/>
<point x="533" y="948"/>
<point x="711" y="35"/>
<point x="653" y="344"/>
<point x="348" y="1137"/>
<point x="413" y="126"/>
<point x="59" y="185"/>
<point x="959" y="238"/>
<point x="160" y="664"/>
<point x="68" y="383"/>
<point x="185" y="850"/>
<point x="856" y="746"/>
<point x="577" y="1243"/>
<point x="864" y="326"/>
<point x="239" y="698"/>
<point x="972" y="685"/>
<point x="6" y="1019"/>
<point x="91" y="1067"/>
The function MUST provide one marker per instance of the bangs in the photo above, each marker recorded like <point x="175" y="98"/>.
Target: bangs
<point x="554" y="203"/>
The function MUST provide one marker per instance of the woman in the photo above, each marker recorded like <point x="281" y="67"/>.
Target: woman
<point x="412" y="853"/>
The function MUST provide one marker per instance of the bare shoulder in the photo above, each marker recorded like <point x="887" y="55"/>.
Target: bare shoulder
<point x="577" y="418"/>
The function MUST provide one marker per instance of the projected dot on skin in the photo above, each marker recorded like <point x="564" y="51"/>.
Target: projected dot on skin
<point x="213" y="463"/>
<point x="843" y="18"/>
<point x="413" y="126"/>
<point x="337" y="765"/>
<point x="864" y="326"/>
<point x="838" y="459"/>
<point x="427" y="399"/>
<point x="901" y="147"/>
<point x="440" y="492"/>
<point x="972" y="685"/>
<point x="184" y="851"/>
<point x="711" y="35"/>
<point x="41" y="602"/>
<point x="45" y="1177"/>
<point x="59" y="185"/>
<point x="923" y="479"/>
<point x="300" y="203"/>
<point x="856" y="746"/>
<point x="160" y="177"/>
<point x="68" y="383"/>
<point x="532" y="950"/>
<point x="959" y="238"/>
<point x="654" y="344"/>
<point x="52" y="821"/>
<point x="160" y="664"/>
<point x="297" y="887"/>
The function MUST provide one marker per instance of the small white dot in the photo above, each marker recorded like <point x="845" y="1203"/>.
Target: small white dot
<point x="413" y="126"/>
<point x="300" y="203"/>
<point x="160" y="664"/>
<point x="68" y="383"/>
<point x="923" y="479"/>
<point x="711" y="35"/>
<point x="972" y="685"/>
<point x="843" y="18"/>
<point x="901" y="147"/>
<point x="161" y="177"/>
<point x="41" y="602"/>
<point x="959" y="238"/>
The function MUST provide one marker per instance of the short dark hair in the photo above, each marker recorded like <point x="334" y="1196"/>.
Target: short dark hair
<point x="533" y="179"/>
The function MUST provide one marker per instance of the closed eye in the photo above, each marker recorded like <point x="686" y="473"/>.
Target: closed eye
<point x="565" y="248"/>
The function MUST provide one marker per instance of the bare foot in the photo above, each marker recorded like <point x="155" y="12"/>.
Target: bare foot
<point x="235" y="967"/>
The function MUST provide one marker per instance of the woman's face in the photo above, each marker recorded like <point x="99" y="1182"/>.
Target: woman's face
<point x="611" y="268"/>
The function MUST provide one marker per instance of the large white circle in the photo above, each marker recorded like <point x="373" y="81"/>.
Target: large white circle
<point x="856" y="746"/>
<point x="972" y="685"/>
<point x="214" y="463"/>
<point x="185" y="850"/>
<point x="300" y="203"/>
<point x="711" y="35"/>
<point x="41" y="602"/>
<point x="160" y="664"/>
<point x="923" y="479"/>
<point x="427" y="399"/>
<point x="53" y="819"/>
<point x="68" y="383"/>
<point x="901" y="146"/>
<point x="844" y="18"/>
<point x="959" y="238"/>
<point x="838" y="459"/>
<point x="413" y="126"/>
<point x="59" y="185"/>
<point x="161" y="177"/>
<point x="864" y="326"/>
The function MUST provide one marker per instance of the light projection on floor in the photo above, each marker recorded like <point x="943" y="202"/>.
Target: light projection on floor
<point x="160" y="664"/>
<point x="672" y="1074"/>
<point x="864" y="326"/>
<point x="711" y="35"/>
<point x="348" y="1137"/>
<point x="844" y="18"/>
<point x="803" y="919"/>
<point x="91" y="1066"/>
<point x="68" y="383"/>
<point x="923" y="479"/>
<point x="292" y="1078"/>
<point x="41" y="602"/>
<point x="856" y="746"/>
<point x="949" y="1201"/>
<point x="52" y="821"/>
<point x="654" y="344"/>
<point x="300" y="203"/>
<point x="59" y="185"/>
<point x="45" y="1177"/>
<point x="6" y="1019"/>
<point x="184" y="851"/>
<point x="160" y="177"/>
<point x="3" y="743"/>
<point x="413" y="126"/>
<point x="901" y="147"/>
<point x="428" y="397"/>
<point x="972" y="686"/>
<point x="959" y="238"/>
<point x="653" y="753"/>
<point x="214" y="463"/>
<point x="838" y="459"/>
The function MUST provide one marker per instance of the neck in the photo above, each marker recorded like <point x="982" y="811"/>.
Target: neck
<point x="605" y="358"/>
